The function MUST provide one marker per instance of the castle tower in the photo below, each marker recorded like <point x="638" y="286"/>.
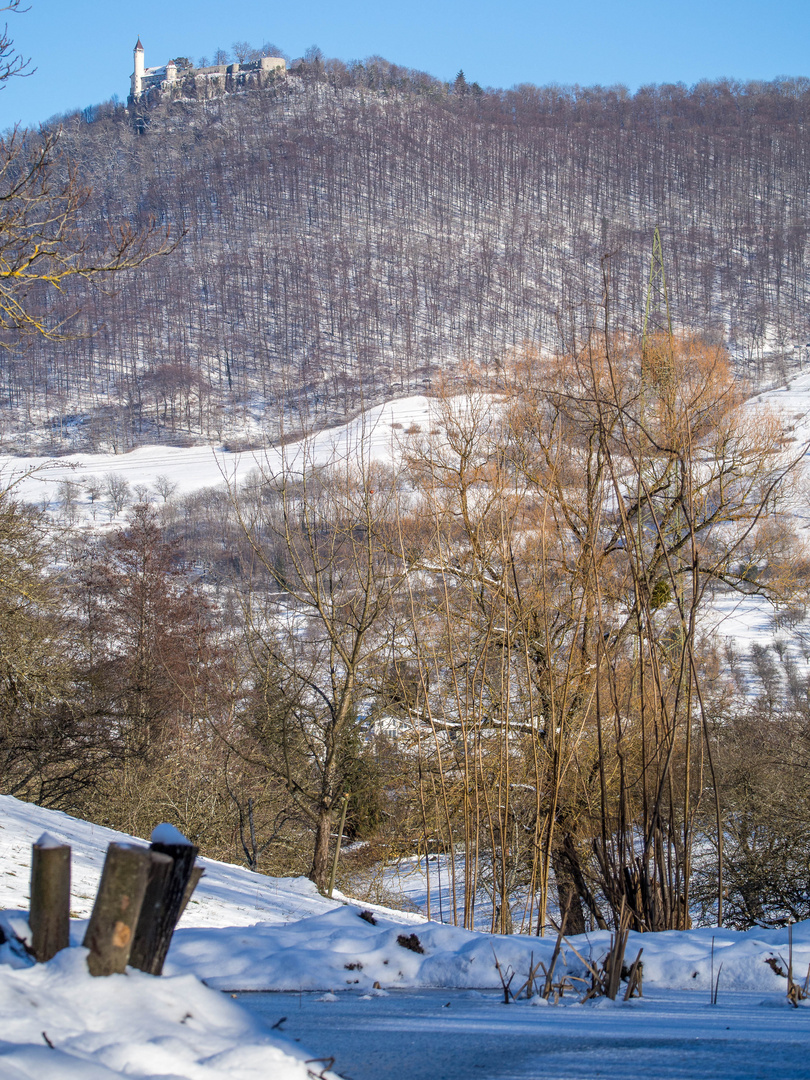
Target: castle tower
<point x="137" y="75"/>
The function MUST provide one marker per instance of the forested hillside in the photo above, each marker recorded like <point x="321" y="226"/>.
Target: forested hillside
<point x="350" y="231"/>
<point x="498" y="644"/>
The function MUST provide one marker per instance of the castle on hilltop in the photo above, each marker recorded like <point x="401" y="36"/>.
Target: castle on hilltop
<point x="179" y="77"/>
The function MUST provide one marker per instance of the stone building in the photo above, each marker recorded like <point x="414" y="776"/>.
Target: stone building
<point x="147" y="84"/>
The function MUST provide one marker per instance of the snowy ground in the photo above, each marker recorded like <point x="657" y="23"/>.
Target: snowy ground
<point x="61" y="1024"/>
<point x="373" y="1009"/>
<point x="380" y="430"/>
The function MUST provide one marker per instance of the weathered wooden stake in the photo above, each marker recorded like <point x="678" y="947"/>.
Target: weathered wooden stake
<point x="634" y="978"/>
<point x="196" y="873"/>
<point x="117" y="908"/>
<point x="50" y="897"/>
<point x="160" y="936"/>
<point x="143" y="941"/>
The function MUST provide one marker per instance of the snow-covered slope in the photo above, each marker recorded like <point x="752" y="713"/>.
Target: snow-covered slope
<point x="379" y="430"/>
<point x="248" y="931"/>
<point x="226" y="896"/>
<point x="251" y="932"/>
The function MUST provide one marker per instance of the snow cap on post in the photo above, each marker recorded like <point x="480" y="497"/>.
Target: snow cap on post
<point x="168" y="834"/>
<point x="47" y="841"/>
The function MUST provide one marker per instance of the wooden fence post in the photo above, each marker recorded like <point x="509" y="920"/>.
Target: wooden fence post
<point x="167" y="841"/>
<point x="117" y="908"/>
<point x="143" y="942"/>
<point x="193" y="882"/>
<point x="49" y="918"/>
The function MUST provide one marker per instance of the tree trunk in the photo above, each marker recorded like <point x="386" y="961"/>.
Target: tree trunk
<point x="503" y="918"/>
<point x="568" y="896"/>
<point x="320" y="858"/>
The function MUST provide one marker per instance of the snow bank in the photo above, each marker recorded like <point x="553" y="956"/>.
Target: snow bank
<point x="245" y="931"/>
<point x="60" y="1023"/>
<point x="341" y="950"/>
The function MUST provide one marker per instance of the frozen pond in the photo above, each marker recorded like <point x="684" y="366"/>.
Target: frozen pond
<point x="452" y="1034"/>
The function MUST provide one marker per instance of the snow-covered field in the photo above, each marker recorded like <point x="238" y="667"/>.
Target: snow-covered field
<point x="379" y="430"/>
<point x="248" y="932"/>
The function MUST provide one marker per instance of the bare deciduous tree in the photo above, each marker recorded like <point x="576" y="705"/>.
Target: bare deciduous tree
<point x="573" y="537"/>
<point x="316" y="533"/>
<point x="165" y="487"/>
<point x="117" y="492"/>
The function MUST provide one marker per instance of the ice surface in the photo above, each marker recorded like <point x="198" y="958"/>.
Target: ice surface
<point x="427" y="1034"/>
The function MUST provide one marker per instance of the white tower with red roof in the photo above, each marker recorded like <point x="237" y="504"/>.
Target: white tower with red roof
<point x="137" y="74"/>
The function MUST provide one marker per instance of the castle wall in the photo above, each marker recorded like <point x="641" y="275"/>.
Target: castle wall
<point x="153" y="84"/>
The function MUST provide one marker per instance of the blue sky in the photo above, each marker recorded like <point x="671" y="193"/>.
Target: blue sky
<point x="82" y="49"/>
